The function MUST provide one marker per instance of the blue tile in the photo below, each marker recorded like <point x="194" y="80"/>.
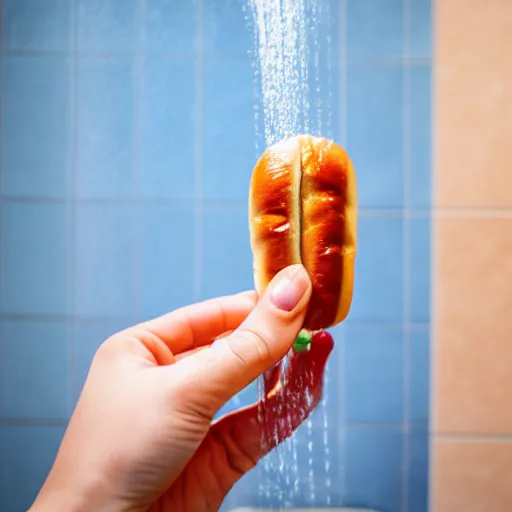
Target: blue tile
<point x="421" y="137"/>
<point x="35" y="125"/>
<point x="34" y="369"/>
<point x="167" y="129"/>
<point x="34" y="275"/>
<point x="88" y="336"/>
<point x="28" y="453"/>
<point x="105" y="128"/>
<point x="229" y="152"/>
<point x="169" y="26"/>
<point x="106" y="25"/>
<point x="374" y="375"/>
<point x="421" y="28"/>
<point x="375" y="134"/>
<point x="106" y="245"/>
<point x="419" y="377"/>
<point x="167" y="259"/>
<point x="373" y="471"/>
<point x="420" y="270"/>
<point x="228" y="28"/>
<point x="375" y="28"/>
<point x="418" y="465"/>
<point x="36" y="25"/>
<point x="378" y="280"/>
<point x="226" y="253"/>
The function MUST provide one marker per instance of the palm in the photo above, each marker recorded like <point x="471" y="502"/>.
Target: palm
<point x="234" y="445"/>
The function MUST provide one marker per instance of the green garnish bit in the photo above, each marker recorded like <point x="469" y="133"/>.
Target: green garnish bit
<point x="302" y="341"/>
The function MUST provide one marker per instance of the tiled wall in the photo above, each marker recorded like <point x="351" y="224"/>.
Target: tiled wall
<point x="127" y="142"/>
<point x="472" y="398"/>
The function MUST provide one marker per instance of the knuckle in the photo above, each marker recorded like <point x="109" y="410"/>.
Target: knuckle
<point x="253" y="346"/>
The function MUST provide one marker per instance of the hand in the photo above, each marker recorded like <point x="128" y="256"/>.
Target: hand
<point x="141" y="437"/>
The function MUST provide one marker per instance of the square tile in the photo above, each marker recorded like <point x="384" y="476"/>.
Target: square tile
<point x="420" y="262"/>
<point x="229" y="134"/>
<point x="105" y="128"/>
<point x="28" y="453"/>
<point x="169" y="26"/>
<point x="229" y="28"/>
<point x="36" y="132"/>
<point x="106" y="25"/>
<point x="421" y="138"/>
<point x="226" y="253"/>
<point x="418" y="471"/>
<point x="373" y="375"/>
<point x="106" y="245"/>
<point x="473" y="105"/>
<point x="167" y="134"/>
<point x="34" y="369"/>
<point x="36" y="25"/>
<point x="88" y="336"/>
<point x="375" y="133"/>
<point x="378" y="281"/>
<point x="474" y="476"/>
<point x="375" y="28"/>
<point x="421" y="14"/>
<point x="373" y="468"/>
<point x="34" y="272"/>
<point x="419" y="377"/>
<point x="473" y="299"/>
<point x="167" y="259"/>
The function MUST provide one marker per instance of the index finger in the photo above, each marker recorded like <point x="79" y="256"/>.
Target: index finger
<point x="199" y="324"/>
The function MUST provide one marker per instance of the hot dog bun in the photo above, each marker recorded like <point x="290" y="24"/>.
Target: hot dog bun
<point x="303" y="209"/>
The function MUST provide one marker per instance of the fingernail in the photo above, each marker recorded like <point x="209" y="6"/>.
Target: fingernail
<point x="289" y="287"/>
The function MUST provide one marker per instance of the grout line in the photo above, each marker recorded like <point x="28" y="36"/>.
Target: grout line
<point x="386" y="60"/>
<point x="2" y="35"/>
<point x="72" y="192"/>
<point x="198" y="155"/>
<point x="472" y="438"/>
<point x="138" y="85"/>
<point x="407" y="183"/>
<point x="433" y="244"/>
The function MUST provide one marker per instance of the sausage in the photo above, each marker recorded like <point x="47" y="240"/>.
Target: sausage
<point x="303" y="209"/>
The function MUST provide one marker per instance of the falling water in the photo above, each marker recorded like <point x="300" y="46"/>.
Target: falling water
<point x="293" y="78"/>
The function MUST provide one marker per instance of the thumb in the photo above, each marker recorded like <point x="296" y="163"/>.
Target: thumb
<point x="262" y="340"/>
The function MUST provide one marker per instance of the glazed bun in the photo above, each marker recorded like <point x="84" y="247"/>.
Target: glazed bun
<point x="303" y="209"/>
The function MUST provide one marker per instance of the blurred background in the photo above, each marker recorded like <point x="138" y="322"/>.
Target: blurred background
<point x="129" y="130"/>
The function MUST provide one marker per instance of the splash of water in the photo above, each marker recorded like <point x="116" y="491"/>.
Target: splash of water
<point x="291" y="47"/>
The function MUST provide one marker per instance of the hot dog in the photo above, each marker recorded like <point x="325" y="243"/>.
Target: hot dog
<point x="303" y="209"/>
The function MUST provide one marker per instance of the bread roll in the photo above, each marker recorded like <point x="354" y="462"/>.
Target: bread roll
<point x="303" y="209"/>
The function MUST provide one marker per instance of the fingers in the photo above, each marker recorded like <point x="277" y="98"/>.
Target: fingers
<point x="260" y="341"/>
<point x="197" y="325"/>
<point x="243" y="432"/>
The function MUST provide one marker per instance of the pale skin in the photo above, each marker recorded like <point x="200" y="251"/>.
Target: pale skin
<point x="142" y="436"/>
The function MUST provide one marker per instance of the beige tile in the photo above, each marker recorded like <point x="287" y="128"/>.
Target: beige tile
<point x="473" y="103"/>
<point x="473" y="326"/>
<point x="471" y="476"/>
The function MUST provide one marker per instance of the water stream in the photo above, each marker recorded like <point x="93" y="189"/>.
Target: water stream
<point x="293" y="76"/>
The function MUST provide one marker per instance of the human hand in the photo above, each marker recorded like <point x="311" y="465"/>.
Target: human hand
<point x="141" y="436"/>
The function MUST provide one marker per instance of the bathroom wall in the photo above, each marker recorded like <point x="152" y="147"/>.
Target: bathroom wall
<point x="127" y="142"/>
<point x="472" y="388"/>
